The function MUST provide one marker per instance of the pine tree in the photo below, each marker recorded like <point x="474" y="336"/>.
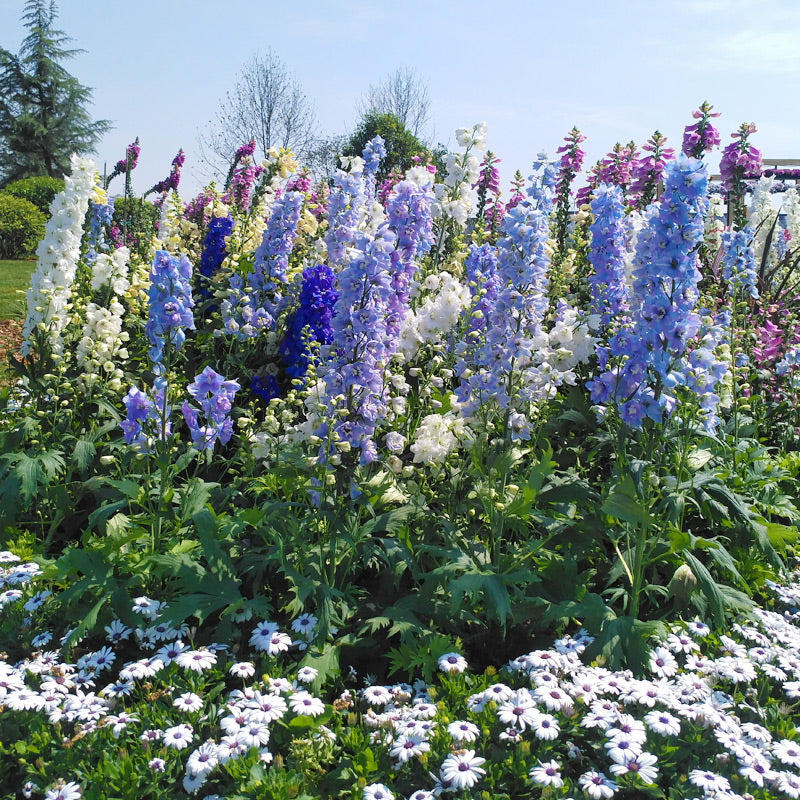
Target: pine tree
<point x="43" y="109"/>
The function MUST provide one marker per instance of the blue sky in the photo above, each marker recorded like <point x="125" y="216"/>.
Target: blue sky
<point x="616" y="69"/>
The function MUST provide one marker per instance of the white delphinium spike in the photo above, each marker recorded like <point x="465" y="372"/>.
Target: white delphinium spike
<point x="50" y="293"/>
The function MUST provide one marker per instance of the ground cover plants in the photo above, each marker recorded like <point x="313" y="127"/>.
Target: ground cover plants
<point x="406" y="488"/>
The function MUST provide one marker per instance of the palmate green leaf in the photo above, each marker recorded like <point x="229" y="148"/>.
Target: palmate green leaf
<point x="87" y="622"/>
<point x="497" y="602"/>
<point x="325" y="661"/>
<point x="212" y="595"/>
<point x="623" y="642"/>
<point x="193" y="497"/>
<point x="388" y="522"/>
<point x="591" y="610"/>
<point x="33" y="471"/>
<point x="623" y="504"/>
<point x="83" y="454"/>
<point x="780" y="535"/>
<point x="421" y="655"/>
<point x="217" y="559"/>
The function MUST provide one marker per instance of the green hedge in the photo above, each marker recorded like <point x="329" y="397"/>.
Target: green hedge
<point x="21" y="227"/>
<point x="39" y="191"/>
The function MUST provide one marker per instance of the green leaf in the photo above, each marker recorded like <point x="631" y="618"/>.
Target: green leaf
<point x="218" y="561"/>
<point x="624" y="507"/>
<point x="83" y="454"/>
<point x="708" y="586"/>
<point x="698" y="458"/>
<point x="388" y="522"/>
<point x="194" y="496"/>
<point x="86" y="624"/>
<point x="622" y="642"/>
<point x="304" y="722"/>
<point x="129" y="487"/>
<point x="30" y="474"/>
<point x="780" y="535"/>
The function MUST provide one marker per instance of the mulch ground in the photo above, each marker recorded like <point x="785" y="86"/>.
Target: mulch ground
<point x="10" y="338"/>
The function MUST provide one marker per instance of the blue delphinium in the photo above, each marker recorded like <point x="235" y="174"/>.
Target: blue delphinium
<point x="99" y="217"/>
<point x="606" y="254"/>
<point x="253" y="304"/>
<point x="503" y="366"/>
<point x="541" y="188"/>
<point x="358" y="354"/>
<point x="701" y="370"/>
<point x="214" y="251"/>
<point x="311" y="320"/>
<point x="408" y="211"/>
<point x="738" y="263"/>
<point x="215" y="396"/>
<point x="146" y="418"/>
<point x="645" y="356"/>
<point x="264" y="387"/>
<point x="480" y="272"/>
<point x="169" y="311"/>
<point x="374" y="152"/>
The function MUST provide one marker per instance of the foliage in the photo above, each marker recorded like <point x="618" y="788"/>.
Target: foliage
<point x="401" y="144"/>
<point x="39" y="190"/>
<point x="43" y="109"/>
<point x="15" y="276"/>
<point x="21" y="226"/>
<point x="404" y="95"/>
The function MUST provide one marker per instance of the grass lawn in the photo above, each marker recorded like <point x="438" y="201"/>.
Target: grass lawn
<point x="14" y="279"/>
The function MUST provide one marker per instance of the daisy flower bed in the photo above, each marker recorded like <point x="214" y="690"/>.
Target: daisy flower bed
<point x="153" y="713"/>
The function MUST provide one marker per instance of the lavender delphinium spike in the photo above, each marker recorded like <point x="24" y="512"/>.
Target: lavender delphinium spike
<point x="215" y="396"/>
<point x="606" y="254"/>
<point x="253" y="304"/>
<point x="513" y="340"/>
<point x="170" y="305"/>
<point x="641" y="375"/>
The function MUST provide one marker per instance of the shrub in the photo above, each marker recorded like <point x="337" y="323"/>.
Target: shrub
<point x="21" y="227"/>
<point x="135" y="220"/>
<point x="39" y="191"/>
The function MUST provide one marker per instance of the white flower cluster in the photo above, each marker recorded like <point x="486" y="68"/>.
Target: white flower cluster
<point x="714" y="223"/>
<point x="455" y="196"/>
<point x="50" y="293"/>
<point x="791" y="208"/>
<point x="436" y="316"/>
<point x="111" y="269"/>
<point x="760" y="220"/>
<point x="102" y="344"/>
<point x="102" y="341"/>
<point x="571" y="342"/>
<point x="437" y="436"/>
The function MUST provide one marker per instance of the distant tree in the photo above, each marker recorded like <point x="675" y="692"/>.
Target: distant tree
<point x="43" y="109"/>
<point x="401" y="144"/>
<point x="266" y="104"/>
<point x="404" y="95"/>
<point x="322" y="157"/>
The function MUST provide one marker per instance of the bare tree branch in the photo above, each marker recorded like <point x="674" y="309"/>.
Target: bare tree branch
<point x="403" y="94"/>
<point x="266" y="104"/>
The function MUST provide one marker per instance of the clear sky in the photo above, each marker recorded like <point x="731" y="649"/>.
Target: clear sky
<point x="617" y="69"/>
